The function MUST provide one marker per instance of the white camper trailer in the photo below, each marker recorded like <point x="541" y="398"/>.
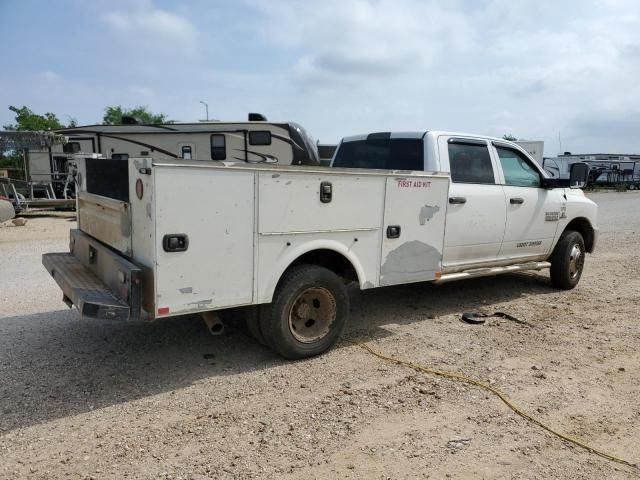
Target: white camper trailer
<point x="251" y="141"/>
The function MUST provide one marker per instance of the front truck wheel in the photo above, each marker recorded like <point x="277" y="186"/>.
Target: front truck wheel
<point x="567" y="261"/>
<point x="308" y="313"/>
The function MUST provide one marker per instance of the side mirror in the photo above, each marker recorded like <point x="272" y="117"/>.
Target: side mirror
<point x="578" y="175"/>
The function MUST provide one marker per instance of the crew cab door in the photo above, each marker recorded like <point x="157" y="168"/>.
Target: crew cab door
<point x="533" y="212"/>
<point x="476" y="212"/>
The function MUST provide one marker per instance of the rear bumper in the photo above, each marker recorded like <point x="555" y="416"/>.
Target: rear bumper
<point x="99" y="282"/>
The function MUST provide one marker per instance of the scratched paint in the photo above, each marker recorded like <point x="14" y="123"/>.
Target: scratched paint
<point x="427" y="212"/>
<point x="411" y="262"/>
<point x="202" y="303"/>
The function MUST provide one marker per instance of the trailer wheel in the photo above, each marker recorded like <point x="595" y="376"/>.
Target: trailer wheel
<point x="308" y="313"/>
<point x="567" y="261"/>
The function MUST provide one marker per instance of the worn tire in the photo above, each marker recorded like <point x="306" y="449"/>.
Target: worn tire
<point x="308" y="314"/>
<point x="567" y="261"/>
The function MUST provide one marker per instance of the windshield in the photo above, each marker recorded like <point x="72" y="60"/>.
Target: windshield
<point x="385" y="153"/>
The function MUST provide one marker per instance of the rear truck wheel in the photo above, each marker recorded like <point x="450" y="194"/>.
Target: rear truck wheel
<point x="308" y="313"/>
<point x="567" y="261"/>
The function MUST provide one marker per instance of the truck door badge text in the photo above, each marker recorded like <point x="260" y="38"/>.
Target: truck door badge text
<point x="529" y="244"/>
<point x="404" y="183"/>
<point x="551" y="216"/>
<point x="563" y="211"/>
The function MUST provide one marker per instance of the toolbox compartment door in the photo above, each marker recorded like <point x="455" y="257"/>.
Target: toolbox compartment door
<point x="106" y="219"/>
<point x="413" y="232"/>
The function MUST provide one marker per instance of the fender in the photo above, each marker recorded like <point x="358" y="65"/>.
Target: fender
<point x="579" y="208"/>
<point x="266" y="291"/>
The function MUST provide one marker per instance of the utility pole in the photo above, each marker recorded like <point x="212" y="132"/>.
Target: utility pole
<point x="206" y="108"/>
<point x="560" y="142"/>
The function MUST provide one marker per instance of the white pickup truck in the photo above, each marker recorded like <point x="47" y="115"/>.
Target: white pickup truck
<point x="159" y="238"/>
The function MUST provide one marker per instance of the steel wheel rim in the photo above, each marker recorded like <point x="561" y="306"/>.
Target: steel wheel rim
<point x="312" y="314"/>
<point x="576" y="261"/>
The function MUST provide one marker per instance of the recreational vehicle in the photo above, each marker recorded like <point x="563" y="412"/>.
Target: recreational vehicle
<point x="253" y="141"/>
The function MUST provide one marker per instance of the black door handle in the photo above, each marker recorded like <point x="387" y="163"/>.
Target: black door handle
<point x="326" y="192"/>
<point x="393" y="231"/>
<point x="175" y="242"/>
<point x="457" y="200"/>
<point x="516" y="201"/>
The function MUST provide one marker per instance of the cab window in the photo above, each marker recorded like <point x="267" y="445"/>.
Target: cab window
<point x="517" y="169"/>
<point x="389" y="153"/>
<point x="470" y="162"/>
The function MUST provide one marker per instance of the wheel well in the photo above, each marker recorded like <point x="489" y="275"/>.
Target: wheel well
<point x="331" y="260"/>
<point x="584" y="228"/>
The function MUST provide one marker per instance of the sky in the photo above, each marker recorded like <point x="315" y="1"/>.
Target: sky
<point x="558" y="71"/>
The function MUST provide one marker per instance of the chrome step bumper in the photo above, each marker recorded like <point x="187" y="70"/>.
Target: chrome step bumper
<point x="98" y="281"/>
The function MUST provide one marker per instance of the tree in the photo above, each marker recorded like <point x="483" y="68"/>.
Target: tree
<point x="510" y="137"/>
<point x="113" y="115"/>
<point x="27" y="120"/>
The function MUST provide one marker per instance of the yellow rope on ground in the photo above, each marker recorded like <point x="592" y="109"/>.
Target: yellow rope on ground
<point x="461" y="378"/>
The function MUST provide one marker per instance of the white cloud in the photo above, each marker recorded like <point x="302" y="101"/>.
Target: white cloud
<point x="490" y="67"/>
<point x="362" y="38"/>
<point x="145" y="21"/>
<point x="493" y="66"/>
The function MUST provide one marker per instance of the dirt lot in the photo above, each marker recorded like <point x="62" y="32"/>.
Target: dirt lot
<point x="82" y="399"/>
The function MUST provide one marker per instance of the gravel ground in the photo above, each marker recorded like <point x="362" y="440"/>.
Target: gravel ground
<point x="87" y="399"/>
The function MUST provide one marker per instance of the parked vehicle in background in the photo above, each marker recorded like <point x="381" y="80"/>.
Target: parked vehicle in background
<point x="606" y="170"/>
<point x="535" y="149"/>
<point x="254" y="141"/>
<point x="286" y="240"/>
<point x="325" y="152"/>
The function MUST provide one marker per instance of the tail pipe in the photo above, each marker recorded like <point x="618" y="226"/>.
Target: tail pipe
<point x="213" y="323"/>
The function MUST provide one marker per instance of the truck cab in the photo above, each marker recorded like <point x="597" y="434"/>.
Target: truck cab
<point x="503" y="208"/>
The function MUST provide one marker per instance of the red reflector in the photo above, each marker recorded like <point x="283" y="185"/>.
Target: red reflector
<point x="163" y="310"/>
<point x="139" y="189"/>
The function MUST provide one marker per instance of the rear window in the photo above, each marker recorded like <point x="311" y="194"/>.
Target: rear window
<point x="385" y="153"/>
